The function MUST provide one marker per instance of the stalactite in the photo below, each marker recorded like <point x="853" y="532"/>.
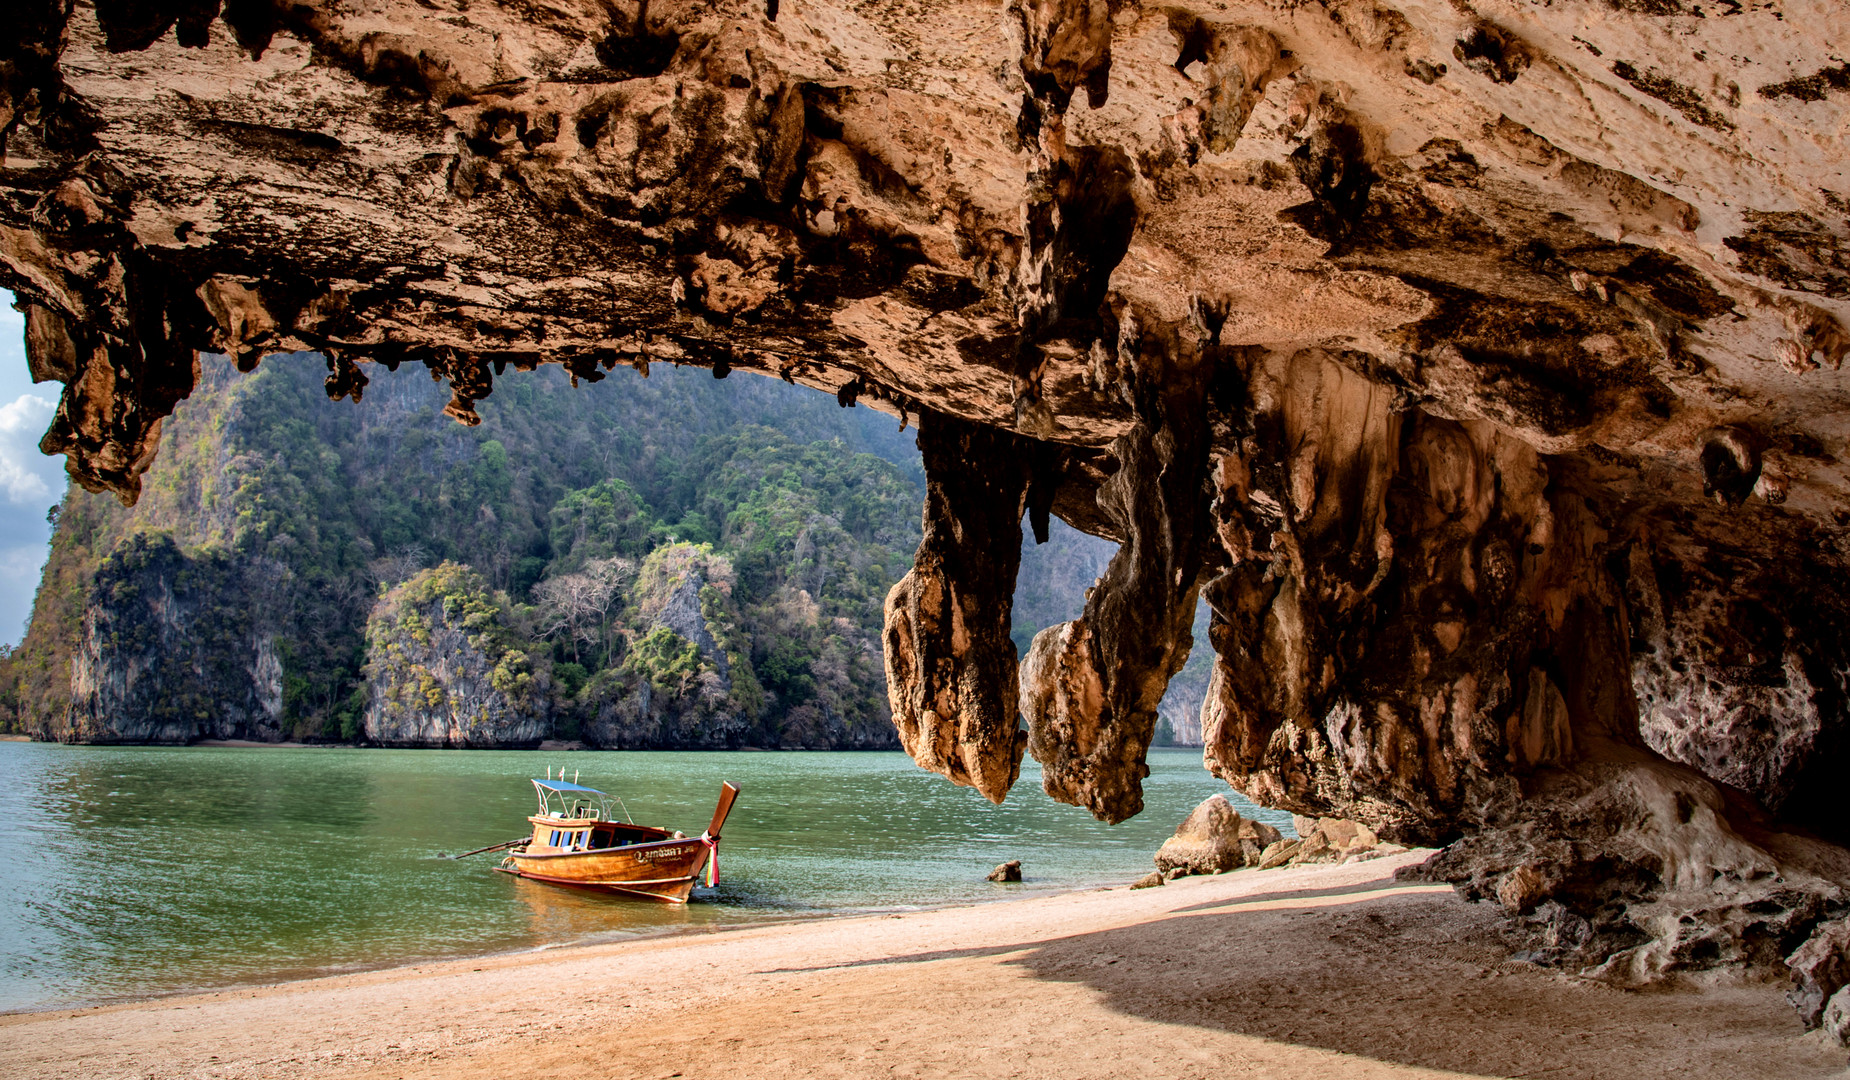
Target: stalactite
<point x="951" y="667"/>
<point x="1090" y="687"/>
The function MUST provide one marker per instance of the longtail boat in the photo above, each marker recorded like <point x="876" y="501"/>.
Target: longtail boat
<point x="578" y="841"/>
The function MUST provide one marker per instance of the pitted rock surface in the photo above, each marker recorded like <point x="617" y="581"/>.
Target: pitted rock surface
<point x="1478" y="362"/>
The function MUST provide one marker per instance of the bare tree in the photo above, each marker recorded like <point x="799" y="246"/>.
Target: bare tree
<point x="399" y="565"/>
<point x="581" y="605"/>
<point x="613" y="578"/>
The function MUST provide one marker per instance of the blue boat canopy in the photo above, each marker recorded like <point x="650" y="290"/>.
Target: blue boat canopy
<point x="560" y="785"/>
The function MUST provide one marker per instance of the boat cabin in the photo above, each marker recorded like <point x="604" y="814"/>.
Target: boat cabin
<point x="577" y="818"/>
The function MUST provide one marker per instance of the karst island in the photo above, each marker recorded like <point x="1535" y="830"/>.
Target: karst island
<point x="1295" y="539"/>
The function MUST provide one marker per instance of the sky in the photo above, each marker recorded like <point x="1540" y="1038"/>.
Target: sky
<point x="30" y="482"/>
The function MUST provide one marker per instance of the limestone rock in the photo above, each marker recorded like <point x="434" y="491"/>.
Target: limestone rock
<point x="1331" y="840"/>
<point x="1836" y="1018"/>
<point x="1645" y="868"/>
<point x="951" y="667"/>
<point x="1278" y="853"/>
<point x="674" y="688"/>
<point x="1090" y="688"/>
<point x="1521" y="890"/>
<point x="1820" y="969"/>
<point x="1008" y="871"/>
<point x="1150" y="880"/>
<point x="173" y="648"/>
<point x="1213" y="839"/>
<point x="443" y="671"/>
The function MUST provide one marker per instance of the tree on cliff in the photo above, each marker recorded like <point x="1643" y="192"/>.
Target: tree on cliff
<point x="579" y="606"/>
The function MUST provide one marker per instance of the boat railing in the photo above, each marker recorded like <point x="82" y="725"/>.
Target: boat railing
<point x="560" y="800"/>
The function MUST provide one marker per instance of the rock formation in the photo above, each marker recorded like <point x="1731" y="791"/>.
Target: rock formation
<point x="175" y="648"/>
<point x="1213" y="839"/>
<point x="443" y="670"/>
<point x="950" y="665"/>
<point x="1478" y="362"/>
<point x="1325" y="840"/>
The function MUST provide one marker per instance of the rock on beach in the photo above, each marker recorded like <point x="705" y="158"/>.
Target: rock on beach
<point x="1214" y="839"/>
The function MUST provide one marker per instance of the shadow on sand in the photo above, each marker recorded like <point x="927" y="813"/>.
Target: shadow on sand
<point x="1420" y="979"/>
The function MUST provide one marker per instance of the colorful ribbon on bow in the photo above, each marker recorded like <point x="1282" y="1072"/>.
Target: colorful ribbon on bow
<point x="712" y="860"/>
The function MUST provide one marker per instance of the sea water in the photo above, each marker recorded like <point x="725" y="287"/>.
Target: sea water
<point x="131" y="871"/>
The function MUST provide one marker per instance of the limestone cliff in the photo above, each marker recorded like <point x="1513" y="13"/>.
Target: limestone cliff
<point x="444" y="670"/>
<point x="687" y="680"/>
<point x="175" y="648"/>
<point x="1477" y="362"/>
<point x="676" y="685"/>
<point x="283" y="518"/>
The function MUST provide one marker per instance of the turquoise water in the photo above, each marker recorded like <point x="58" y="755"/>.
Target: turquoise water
<point x="140" y="870"/>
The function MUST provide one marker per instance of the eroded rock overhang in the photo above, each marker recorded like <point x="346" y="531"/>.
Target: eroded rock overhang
<point x="1479" y="364"/>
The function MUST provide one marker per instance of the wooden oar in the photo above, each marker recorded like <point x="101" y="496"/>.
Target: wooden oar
<point x="492" y="847"/>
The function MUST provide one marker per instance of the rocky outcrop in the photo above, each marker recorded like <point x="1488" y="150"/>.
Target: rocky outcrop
<point x="1820" y="970"/>
<point x="1326" y="840"/>
<point x="175" y="648"/>
<point x="443" y="670"/>
<point x="1478" y="363"/>
<point x="1628" y="868"/>
<point x="674" y="688"/>
<point x="1214" y="839"/>
<point x="683" y="682"/>
<point x="1735" y="679"/>
<point x="1091" y="687"/>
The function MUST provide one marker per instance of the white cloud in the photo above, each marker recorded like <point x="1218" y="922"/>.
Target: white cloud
<point x="29" y="481"/>
<point x="19" y="581"/>
<point x="27" y="477"/>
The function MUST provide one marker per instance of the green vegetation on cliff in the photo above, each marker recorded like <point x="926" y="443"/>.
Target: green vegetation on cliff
<point x="568" y="512"/>
<point x="445" y="667"/>
<point x="677" y="561"/>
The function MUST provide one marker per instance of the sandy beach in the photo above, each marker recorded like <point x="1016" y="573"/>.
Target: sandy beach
<point x="1326" y="972"/>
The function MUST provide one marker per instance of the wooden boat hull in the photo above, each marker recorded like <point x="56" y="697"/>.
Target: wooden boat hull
<point x="665" y="871"/>
<point x="577" y="846"/>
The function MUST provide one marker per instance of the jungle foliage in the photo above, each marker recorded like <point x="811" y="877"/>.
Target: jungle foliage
<point x="567" y="511"/>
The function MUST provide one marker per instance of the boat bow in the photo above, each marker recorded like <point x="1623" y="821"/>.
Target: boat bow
<point x="728" y="792"/>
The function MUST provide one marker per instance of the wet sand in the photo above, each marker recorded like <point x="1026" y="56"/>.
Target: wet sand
<point x="1323" y="972"/>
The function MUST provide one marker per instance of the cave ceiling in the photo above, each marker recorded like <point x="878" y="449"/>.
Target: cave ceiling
<point x="1479" y="364"/>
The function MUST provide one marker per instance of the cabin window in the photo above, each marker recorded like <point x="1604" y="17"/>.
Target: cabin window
<point x="554" y="842"/>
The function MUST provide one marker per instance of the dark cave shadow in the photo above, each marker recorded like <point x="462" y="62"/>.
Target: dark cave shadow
<point x="1418" y="979"/>
<point x="1422" y="980"/>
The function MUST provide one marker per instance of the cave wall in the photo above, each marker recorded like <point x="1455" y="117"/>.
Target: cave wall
<point x="1480" y="363"/>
